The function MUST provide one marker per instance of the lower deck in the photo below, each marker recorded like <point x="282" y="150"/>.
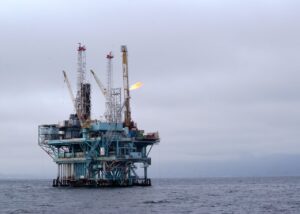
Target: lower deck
<point x="100" y="183"/>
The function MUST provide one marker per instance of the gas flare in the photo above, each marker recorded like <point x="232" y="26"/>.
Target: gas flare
<point x="136" y="86"/>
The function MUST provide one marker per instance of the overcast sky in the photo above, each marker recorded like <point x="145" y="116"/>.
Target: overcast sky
<point x="221" y="80"/>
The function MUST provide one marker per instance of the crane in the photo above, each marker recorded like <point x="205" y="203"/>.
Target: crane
<point x="99" y="83"/>
<point x="72" y="97"/>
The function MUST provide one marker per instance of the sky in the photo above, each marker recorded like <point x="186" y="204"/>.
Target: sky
<point x="221" y="80"/>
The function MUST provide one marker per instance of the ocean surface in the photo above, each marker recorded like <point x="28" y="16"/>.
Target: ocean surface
<point x="203" y="195"/>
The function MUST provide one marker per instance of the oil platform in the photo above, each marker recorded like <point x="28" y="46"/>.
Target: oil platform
<point x="91" y="152"/>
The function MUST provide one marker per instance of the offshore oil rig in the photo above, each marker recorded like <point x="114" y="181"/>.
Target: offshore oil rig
<point x="103" y="152"/>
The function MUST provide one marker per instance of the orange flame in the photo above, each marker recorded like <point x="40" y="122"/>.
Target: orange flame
<point x="135" y="86"/>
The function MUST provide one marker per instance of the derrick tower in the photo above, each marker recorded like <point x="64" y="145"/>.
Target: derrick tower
<point x="83" y="97"/>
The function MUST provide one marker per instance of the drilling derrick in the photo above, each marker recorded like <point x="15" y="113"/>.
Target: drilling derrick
<point x="93" y="152"/>
<point x="83" y="98"/>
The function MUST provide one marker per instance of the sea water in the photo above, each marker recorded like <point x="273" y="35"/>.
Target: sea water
<point x="202" y="195"/>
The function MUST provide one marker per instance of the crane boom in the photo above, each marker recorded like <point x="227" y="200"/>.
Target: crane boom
<point x="69" y="88"/>
<point x="72" y="96"/>
<point x="99" y="83"/>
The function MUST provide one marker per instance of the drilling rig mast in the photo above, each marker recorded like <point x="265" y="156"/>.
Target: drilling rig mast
<point x="83" y="98"/>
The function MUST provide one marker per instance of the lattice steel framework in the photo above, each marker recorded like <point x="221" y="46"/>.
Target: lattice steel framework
<point x="83" y="98"/>
<point x="109" y="86"/>
<point x="98" y="153"/>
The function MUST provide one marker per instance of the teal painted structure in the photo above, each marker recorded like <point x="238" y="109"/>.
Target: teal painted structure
<point x="98" y="153"/>
<point x="104" y="154"/>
